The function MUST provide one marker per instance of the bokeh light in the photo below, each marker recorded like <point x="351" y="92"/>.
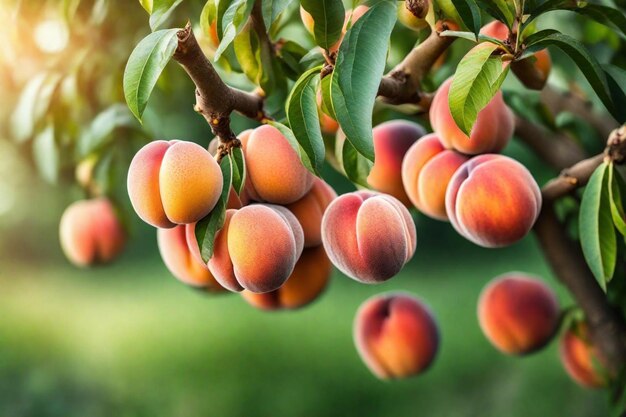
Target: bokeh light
<point x="51" y="36"/>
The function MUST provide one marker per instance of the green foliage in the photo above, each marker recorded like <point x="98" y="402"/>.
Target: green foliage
<point x="293" y="141"/>
<point x="161" y="11"/>
<point x="144" y="67"/>
<point x="272" y="9"/>
<point x="233" y="21"/>
<point x="328" y="16"/>
<point x="100" y="132"/>
<point x="617" y="189"/>
<point x="597" y="232"/>
<point x="46" y="154"/>
<point x="470" y="14"/>
<point x="476" y="81"/>
<point x="239" y="169"/>
<point x="355" y="165"/>
<point x="207" y="228"/>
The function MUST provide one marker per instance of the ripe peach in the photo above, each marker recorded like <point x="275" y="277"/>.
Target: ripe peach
<point x="491" y="132"/>
<point x="275" y="170"/>
<point x="426" y="172"/>
<point x="307" y="281"/>
<point x="256" y="249"/>
<point x="493" y="200"/>
<point x="177" y="256"/>
<point x="396" y="335"/>
<point x="173" y="183"/>
<point x="310" y="209"/>
<point x="90" y="232"/>
<point x="391" y="142"/>
<point x="496" y="29"/>
<point x="580" y="358"/>
<point x="519" y="314"/>
<point x="368" y="236"/>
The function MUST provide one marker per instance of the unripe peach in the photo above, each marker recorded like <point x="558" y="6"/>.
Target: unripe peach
<point x="426" y="172"/>
<point x="310" y="209"/>
<point x="493" y="200"/>
<point x="368" y="236"/>
<point x="173" y="183"/>
<point x="409" y="20"/>
<point x="396" y="335"/>
<point x="256" y="249"/>
<point x="305" y="284"/>
<point x="491" y="132"/>
<point x="275" y="170"/>
<point x="175" y="250"/>
<point x="581" y="359"/>
<point x="90" y="232"/>
<point x="391" y="142"/>
<point x="519" y="314"/>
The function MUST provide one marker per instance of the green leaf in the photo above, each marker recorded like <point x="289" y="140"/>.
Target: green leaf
<point x="472" y="37"/>
<point x="328" y="16"/>
<point x="33" y="105"/>
<point x="313" y="58"/>
<point x="580" y="55"/>
<point x="248" y="53"/>
<point x="304" y="118"/>
<point x="272" y="9"/>
<point x="616" y="78"/>
<point x="499" y="9"/>
<point x="147" y="5"/>
<point x="617" y="189"/>
<point x="46" y="154"/>
<point x="470" y="14"/>
<point x="478" y="78"/>
<point x="207" y="228"/>
<point x="357" y="167"/>
<point x="144" y="67"/>
<point x="100" y="131"/>
<point x="239" y="169"/>
<point x="288" y="134"/>
<point x="208" y="16"/>
<point x="161" y="11"/>
<point x="597" y="234"/>
<point x="327" y="100"/>
<point x="359" y="67"/>
<point x="233" y="21"/>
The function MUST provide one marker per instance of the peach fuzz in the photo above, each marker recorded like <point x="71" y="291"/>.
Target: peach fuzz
<point x="392" y="140"/>
<point x="396" y="335"/>
<point x="580" y="358"/>
<point x="275" y="170"/>
<point x="305" y="284"/>
<point x="518" y="313"/>
<point x="368" y="236"/>
<point x="175" y="250"/>
<point x="256" y="249"/>
<point x="493" y="200"/>
<point x="491" y="132"/>
<point x="426" y="172"/>
<point x="173" y="183"/>
<point x="90" y="232"/>
<point x="310" y="209"/>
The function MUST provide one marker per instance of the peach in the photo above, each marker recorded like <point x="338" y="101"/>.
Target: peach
<point x="493" y="200"/>
<point x="368" y="236"/>
<point x="307" y="281"/>
<point x="396" y="335"/>
<point x="391" y="142"/>
<point x="580" y="358"/>
<point x="177" y="256"/>
<point x="491" y="132"/>
<point x="328" y="125"/>
<point x="310" y="209"/>
<point x="409" y="20"/>
<point x="518" y="313"/>
<point x="173" y="183"/>
<point x="426" y="172"/>
<point x="256" y="249"/>
<point x="275" y="170"/>
<point x="90" y="232"/>
<point x="496" y="29"/>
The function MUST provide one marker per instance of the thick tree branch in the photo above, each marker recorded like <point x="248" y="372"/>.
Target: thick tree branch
<point x="402" y="83"/>
<point x="559" y="102"/>
<point x="607" y="326"/>
<point x="556" y="149"/>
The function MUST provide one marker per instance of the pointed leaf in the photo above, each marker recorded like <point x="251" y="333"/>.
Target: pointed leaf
<point x="617" y="189"/>
<point x="288" y="134"/>
<point x="356" y="166"/>
<point x="328" y="16"/>
<point x="239" y="169"/>
<point x="144" y="67"/>
<point x="272" y="9"/>
<point x="233" y="22"/>
<point x="99" y="132"/>
<point x="161" y="11"/>
<point x="470" y="14"/>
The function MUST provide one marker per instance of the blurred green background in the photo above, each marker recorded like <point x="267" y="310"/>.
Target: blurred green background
<point x="129" y="340"/>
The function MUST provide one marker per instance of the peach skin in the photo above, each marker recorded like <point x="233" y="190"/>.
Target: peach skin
<point x="368" y="236"/>
<point x="491" y="132"/>
<point x="90" y="232"/>
<point x="305" y="284"/>
<point x="275" y="170"/>
<point x="177" y="256"/>
<point x="519" y="314"/>
<point x="396" y="335"/>
<point x="580" y="358"/>
<point x="426" y="171"/>
<point x="173" y="183"/>
<point x="310" y="209"/>
<point x="493" y="201"/>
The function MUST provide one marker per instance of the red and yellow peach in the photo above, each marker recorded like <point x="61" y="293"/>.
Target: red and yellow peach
<point x="581" y="359"/>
